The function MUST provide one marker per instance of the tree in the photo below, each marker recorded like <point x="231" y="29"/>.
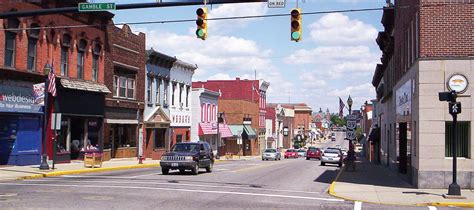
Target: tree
<point x="336" y="120"/>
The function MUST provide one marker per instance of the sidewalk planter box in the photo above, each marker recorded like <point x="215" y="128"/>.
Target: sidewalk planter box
<point x="63" y="157"/>
<point x="93" y="159"/>
<point x="107" y="154"/>
<point x="126" y="152"/>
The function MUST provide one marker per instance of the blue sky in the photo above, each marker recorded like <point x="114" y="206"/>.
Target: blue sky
<point x="337" y="56"/>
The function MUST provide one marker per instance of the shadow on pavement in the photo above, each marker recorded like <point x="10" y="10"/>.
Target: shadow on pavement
<point x="20" y="171"/>
<point x="327" y="176"/>
<point x="373" y="174"/>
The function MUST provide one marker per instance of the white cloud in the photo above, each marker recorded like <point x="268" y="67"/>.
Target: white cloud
<point x="234" y="10"/>
<point x="220" y="76"/>
<point x="356" y="90"/>
<point x="336" y="28"/>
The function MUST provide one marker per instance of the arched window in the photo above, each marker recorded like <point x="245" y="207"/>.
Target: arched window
<point x="10" y="41"/>
<point x="203" y="112"/>
<point x="65" y="45"/>
<point x="209" y="113"/>
<point x="81" y="49"/>
<point x="95" y="62"/>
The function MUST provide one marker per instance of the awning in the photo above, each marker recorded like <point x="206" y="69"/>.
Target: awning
<point x="250" y="132"/>
<point x="374" y="135"/>
<point x="84" y="85"/>
<point x="121" y="121"/>
<point x="236" y="130"/>
<point x="211" y="129"/>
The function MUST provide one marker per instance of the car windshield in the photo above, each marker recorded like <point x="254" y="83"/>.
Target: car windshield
<point x="290" y="150"/>
<point x="301" y="150"/>
<point x="313" y="149"/>
<point x="185" y="148"/>
<point x="270" y="150"/>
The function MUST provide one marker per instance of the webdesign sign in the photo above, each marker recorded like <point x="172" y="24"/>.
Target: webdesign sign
<point x="18" y="97"/>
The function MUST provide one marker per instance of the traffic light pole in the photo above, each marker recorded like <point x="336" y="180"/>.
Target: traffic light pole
<point x="61" y="10"/>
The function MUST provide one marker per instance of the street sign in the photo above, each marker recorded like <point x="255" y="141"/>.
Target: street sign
<point x="455" y="108"/>
<point x="90" y="7"/>
<point x="56" y="121"/>
<point x="351" y="124"/>
<point x="276" y="3"/>
<point x="352" y="117"/>
<point x="351" y="135"/>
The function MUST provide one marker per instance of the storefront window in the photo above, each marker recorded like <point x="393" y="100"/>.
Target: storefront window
<point x="159" y="140"/>
<point x="179" y="138"/>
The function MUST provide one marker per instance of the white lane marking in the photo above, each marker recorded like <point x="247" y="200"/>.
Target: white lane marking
<point x="358" y="205"/>
<point x="432" y="208"/>
<point x="178" y="190"/>
<point x="175" y="184"/>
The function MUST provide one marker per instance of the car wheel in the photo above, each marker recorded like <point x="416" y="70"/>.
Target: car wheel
<point x="323" y="163"/>
<point x="209" y="168"/>
<point x="182" y="171"/>
<point x="195" y="170"/>
<point x="165" y="171"/>
<point x="307" y="158"/>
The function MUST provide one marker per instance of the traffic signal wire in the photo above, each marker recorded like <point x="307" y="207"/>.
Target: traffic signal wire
<point x="193" y="20"/>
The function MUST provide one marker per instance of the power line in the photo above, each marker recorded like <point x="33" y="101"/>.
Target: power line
<point x="193" y="20"/>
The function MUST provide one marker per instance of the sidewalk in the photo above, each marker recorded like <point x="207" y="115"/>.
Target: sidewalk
<point x="376" y="184"/>
<point x="33" y="172"/>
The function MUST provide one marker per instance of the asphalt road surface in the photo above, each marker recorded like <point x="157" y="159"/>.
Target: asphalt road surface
<point x="285" y="184"/>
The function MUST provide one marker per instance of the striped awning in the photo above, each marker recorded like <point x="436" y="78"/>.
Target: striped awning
<point x="211" y="129"/>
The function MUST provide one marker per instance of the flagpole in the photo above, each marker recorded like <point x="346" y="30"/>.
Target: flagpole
<point x="44" y="164"/>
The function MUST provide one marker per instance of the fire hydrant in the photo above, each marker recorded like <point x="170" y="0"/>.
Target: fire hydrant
<point x="140" y="159"/>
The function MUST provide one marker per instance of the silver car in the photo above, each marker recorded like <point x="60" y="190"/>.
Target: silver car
<point x="332" y="155"/>
<point x="271" y="154"/>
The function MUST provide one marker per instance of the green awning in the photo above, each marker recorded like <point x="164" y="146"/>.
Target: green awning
<point x="250" y="132"/>
<point x="236" y="129"/>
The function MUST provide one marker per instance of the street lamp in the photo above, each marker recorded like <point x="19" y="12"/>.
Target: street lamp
<point x="351" y="157"/>
<point x="219" y="120"/>
<point x="44" y="162"/>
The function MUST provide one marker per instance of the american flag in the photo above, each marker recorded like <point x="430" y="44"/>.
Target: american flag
<point x="341" y="108"/>
<point x="52" y="82"/>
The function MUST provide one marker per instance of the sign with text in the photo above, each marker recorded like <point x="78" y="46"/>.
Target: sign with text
<point x="89" y="7"/>
<point x="276" y="3"/>
<point x="351" y="124"/>
<point x="352" y="117"/>
<point x="18" y="97"/>
<point x="350" y="135"/>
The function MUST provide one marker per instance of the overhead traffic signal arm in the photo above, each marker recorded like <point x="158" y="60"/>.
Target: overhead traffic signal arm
<point x="296" y="24"/>
<point x="201" y="23"/>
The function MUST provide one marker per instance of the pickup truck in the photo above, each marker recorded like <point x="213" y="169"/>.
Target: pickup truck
<point x="188" y="156"/>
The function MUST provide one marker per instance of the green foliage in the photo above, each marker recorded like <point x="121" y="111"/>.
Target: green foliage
<point x="335" y="120"/>
<point x="299" y="143"/>
<point x="359" y="133"/>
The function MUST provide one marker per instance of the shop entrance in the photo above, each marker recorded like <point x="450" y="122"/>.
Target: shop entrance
<point x="77" y="137"/>
<point x="124" y="140"/>
<point x="404" y="146"/>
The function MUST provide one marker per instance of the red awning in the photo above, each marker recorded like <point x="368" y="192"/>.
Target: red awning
<point x="211" y="129"/>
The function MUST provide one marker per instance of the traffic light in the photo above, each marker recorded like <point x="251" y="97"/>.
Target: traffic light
<point x="201" y="23"/>
<point x="296" y="26"/>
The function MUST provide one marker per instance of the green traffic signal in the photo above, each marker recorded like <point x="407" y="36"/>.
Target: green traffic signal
<point x="296" y="35"/>
<point x="200" y="33"/>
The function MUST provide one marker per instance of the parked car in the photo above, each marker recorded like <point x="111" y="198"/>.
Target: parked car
<point x="344" y="152"/>
<point x="272" y="154"/>
<point x="301" y="153"/>
<point x="332" y="155"/>
<point x="333" y="136"/>
<point x="291" y="153"/>
<point x="313" y="152"/>
<point x="188" y="156"/>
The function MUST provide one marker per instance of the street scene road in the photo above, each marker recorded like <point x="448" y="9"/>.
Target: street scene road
<point x="251" y="183"/>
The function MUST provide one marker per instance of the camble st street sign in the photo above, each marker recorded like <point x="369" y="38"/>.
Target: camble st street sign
<point x="89" y="7"/>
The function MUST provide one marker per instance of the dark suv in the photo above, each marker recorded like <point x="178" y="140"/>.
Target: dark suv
<point x="188" y="156"/>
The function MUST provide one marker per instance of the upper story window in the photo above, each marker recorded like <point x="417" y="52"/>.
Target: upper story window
<point x="165" y="93"/>
<point x="173" y="90"/>
<point x="33" y="35"/>
<point x="10" y="42"/>
<point x="188" y="89"/>
<point x="181" y="87"/>
<point x="124" y="87"/>
<point x="148" y="89"/>
<point x="203" y="112"/>
<point x="81" y="49"/>
<point x="95" y="62"/>
<point x="209" y="113"/>
<point x="157" y="91"/>
<point x="65" y="45"/>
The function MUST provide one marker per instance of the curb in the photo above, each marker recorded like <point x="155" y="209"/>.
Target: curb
<point x="88" y="170"/>
<point x="442" y="204"/>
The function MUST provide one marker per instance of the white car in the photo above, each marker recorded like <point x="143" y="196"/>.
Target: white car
<point x="271" y="154"/>
<point x="301" y="153"/>
<point x="332" y="155"/>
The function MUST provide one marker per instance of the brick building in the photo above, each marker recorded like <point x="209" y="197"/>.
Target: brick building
<point x="125" y="77"/>
<point x="77" y="57"/>
<point x="424" y="42"/>
<point x="250" y="94"/>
